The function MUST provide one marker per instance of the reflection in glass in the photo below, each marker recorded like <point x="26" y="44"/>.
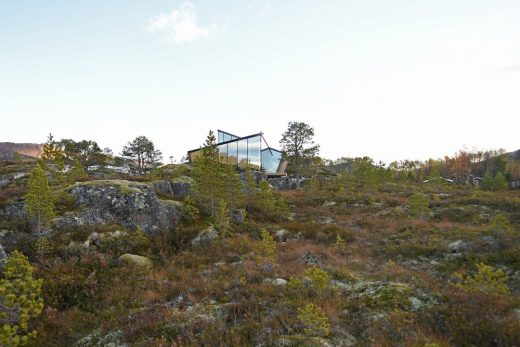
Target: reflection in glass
<point x="254" y="156"/>
<point x="222" y="150"/>
<point x="271" y="160"/>
<point x="232" y="153"/>
<point x="242" y="153"/>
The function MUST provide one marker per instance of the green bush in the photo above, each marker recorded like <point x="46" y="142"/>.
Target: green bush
<point x="487" y="279"/>
<point x="419" y="206"/>
<point x="315" y="321"/>
<point x="320" y="278"/>
<point x="20" y="297"/>
<point x="265" y="248"/>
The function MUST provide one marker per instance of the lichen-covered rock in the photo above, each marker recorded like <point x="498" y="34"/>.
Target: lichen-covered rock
<point x="100" y="339"/>
<point x="134" y="260"/>
<point x="129" y="204"/>
<point x="178" y="187"/>
<point x="3" y="257"/>
<point x="181" y="186"/>
<point x="205" y="236"/>
<point x="163" y="187"/>
<point x="277" y="282"/>
<point x="309" y="259"/>
<point x="12" y="212"/>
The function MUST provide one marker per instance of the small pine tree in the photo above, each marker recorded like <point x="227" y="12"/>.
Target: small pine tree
<point x="487" y="279"/>
<point x="266" y="247"/>
<point x="42" y="247"/>
<point x="77" y="172"/>
<point x="320" y="279"/>
<point x="139" y="240"/>
<point x="51" y="150"/>
<point x="39" y="201"/>
<point x="189" y="211"/>
<point x="340" y="242"/>
<point x="315" y="321"/>
<point x="21" y="300"/>
<point x="222" y="220"/>
<point x="494" y="183"/>
<point x="265" y="200"/>
<point x="501" y="224"/>
<point x="419" y="206"/>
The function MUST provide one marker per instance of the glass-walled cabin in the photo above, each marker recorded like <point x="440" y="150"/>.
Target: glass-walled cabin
<point x="249" y="152"/>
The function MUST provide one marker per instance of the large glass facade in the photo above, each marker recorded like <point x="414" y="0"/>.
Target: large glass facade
<point x="246" y="152"/>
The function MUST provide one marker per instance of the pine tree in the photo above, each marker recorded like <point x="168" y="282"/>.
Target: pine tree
<point x="222" y="220"/>
<point x="77" y="172"/>
<point x="207" y="176"/>
<point x="39" y="203"/>
<point x="20" y="295"/>
<point x="52" y="150"/>
<point x="298" y="146"/>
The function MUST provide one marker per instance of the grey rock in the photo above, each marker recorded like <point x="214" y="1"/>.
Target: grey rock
<point x="309" y="259"/>
<point x="163" y="187"/>
<point x="457" y="247"/>
<point x="129" y="204"/>
<point x="278" y="282"/>
<point x="205" y="236"/>
<point x="99" y="339"/>
<point x="4" y="182"/>
<point x="181" y="186"/>
<point x="347" y="287"/>
<point x="3" y="257"/>
<point x="134" y="260"/>
<point x="346" y="340"/>
<point x="325" y="220"/>
<point x="416" y="303"/>
<point x="329" y="203"/>
<point x="282" y="235"/>
<point x="282" y="183"/>
<point x="13" y="212"/>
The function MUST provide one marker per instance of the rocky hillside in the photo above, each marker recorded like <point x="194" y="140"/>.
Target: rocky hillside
<point x="336" y="263"/>
<point x="7" y="150"/>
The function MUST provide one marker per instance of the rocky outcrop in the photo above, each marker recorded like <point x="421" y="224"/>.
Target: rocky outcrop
<point x="126" y="203"/>
<point x="205" y="236"/>
<point x="134" y="260"/>
<point x="12" y="212"/>
<point x="178" y="187"/>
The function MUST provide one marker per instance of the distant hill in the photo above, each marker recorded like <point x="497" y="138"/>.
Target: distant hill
<point x="7" y="149"/>
<point x="515" y="155"/>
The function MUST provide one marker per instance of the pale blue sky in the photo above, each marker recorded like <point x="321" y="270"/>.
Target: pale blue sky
<point x="391" y="79"/>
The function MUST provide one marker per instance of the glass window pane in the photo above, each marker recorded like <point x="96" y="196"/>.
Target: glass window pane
<point x="242" y="153"/>
<point x="253" y="144"/>
<point x="232" y="153"/>
<point x="222" y="150"/>
<point x="220" y="137"/>
<point x="271" y="160"/>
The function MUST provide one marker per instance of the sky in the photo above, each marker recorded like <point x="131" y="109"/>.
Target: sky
<point x="393" y="79"/>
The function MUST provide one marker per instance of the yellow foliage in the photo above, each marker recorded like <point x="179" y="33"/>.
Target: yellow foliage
<point x="21" y="299"/>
